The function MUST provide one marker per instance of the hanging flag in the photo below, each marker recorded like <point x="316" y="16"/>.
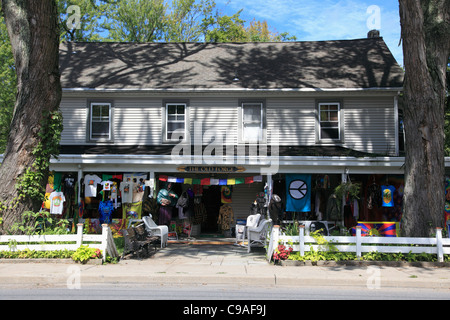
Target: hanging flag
<point x="248" y="180"/>
<point x="298" y="193"/>
<point x="387" y="192"/>
<point x="225" y="192"/>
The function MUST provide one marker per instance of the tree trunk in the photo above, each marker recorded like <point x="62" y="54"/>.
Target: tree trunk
<point x="425" y="34"/>
<point x="34" y="33"/>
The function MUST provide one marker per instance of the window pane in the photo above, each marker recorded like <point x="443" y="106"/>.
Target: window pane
<point x="334" y="116"/>
<point x="252" y="113"/>
<point x="252" y="132"/>
<point x="180" y="109"/>
<point x="324" y="116"/>
<point x="171" y="109"/>
<point x="100" y="129"/>
<point x="96" y="111"/>
<point x="329" y="133"/>
<point x="172" y="126"/>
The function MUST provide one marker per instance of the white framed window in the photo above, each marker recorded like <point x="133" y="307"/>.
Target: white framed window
<point x="252" y="115"/>
<point x="329" y="121"/>
<point x="175" y="120"/>
<point x="100" y="127"/>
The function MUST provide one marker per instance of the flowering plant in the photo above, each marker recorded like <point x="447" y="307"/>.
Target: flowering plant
<point x="281" y="253"/>
<point x="84" y="253"/>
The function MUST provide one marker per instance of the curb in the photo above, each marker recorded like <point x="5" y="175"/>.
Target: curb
<point x="364" y="263"/>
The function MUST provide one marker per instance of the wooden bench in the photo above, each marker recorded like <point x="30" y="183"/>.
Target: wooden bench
<point x="138" y="241"/>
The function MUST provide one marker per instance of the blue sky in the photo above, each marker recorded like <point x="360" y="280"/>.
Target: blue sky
<point x="314" y="20"/>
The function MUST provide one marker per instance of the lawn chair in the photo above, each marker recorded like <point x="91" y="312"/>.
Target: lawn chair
<point x="258" y="234"/>
<point x="159" y="231"/>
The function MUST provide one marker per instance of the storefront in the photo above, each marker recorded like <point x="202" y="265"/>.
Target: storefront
<point x="302" y="189"/>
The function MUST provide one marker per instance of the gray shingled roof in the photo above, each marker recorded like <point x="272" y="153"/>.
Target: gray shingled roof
<point x="361" y="63"/>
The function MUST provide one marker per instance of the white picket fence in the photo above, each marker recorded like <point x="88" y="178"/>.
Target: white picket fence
<point x="103" y="241"/>
<point x="359" y="244"/>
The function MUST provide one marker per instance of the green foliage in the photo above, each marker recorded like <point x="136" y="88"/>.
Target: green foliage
<point x="32" y="182"/>
<point x="225" y="28"/>
<point x="40" y="223"/>
<point x="8" y="80"/>
<point x="91" y="14"/>
<point x="83" y="254"/>
<point x="33" y="254"/>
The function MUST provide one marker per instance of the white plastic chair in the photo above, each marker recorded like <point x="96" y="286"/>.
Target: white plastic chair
<point x="159" y="231"/>
<point x="258" y="234"/>
<point x="253" y="220"/>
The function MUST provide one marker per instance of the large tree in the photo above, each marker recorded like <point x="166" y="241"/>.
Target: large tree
<point x="35" y="127"/>
<point x="426" y="46"/>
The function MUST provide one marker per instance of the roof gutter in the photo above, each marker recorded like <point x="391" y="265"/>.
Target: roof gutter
<point x="228" y="90"/>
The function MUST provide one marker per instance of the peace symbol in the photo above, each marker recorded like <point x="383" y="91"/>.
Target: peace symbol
<point x="298" y="189"/>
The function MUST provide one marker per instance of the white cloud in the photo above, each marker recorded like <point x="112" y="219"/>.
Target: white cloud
<point x="312" y="20"/>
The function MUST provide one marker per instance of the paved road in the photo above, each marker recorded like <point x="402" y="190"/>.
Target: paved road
<point x="220" y="292"/>
<point x="189" y="272"/>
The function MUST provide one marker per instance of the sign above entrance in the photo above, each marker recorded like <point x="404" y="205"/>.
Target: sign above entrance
<point x="211" y="169"/>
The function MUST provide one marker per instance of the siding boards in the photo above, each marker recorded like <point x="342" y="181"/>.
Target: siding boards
<point x="369" y="121"/>
<point x="215" y="114"/>
<point x="370" y="125"/>
<point x="295" y="120"/>
<point x="137" y="121"/>
<point x="74" y="112"/>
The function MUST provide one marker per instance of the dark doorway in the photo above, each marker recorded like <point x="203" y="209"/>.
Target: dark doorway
<point x="211" y="199"/>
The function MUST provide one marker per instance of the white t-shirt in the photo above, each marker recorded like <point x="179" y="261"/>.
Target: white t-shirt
<point x="90" y="185"/>
<point x="57" y="200"/>
<point x="126" y="190"/>
<point x="107" y="185"/>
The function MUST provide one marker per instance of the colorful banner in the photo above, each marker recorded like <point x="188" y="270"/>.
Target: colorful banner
<point x="298" y="193"/>
<point x="377" y="229"/>
<point x="211" y="181"/>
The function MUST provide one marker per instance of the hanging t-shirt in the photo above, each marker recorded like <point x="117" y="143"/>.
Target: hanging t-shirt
<point x="106" y="185"/>
<point x="126" y="190"/>
<point x="57" y="200"/>
<point x="387" y="193"/>
<point x="90" y="185"/>
<point x="105" y="209"/>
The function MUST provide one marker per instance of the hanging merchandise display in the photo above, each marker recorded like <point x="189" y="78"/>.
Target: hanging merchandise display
<point x="276" y="209"/>
<point x="126" y="190"/>
<point x="132" y="210"/>
<point x="387" y="193"/>
<point x="57" y="200"/>
<point x="225" y="194"/>
<point x="226" y="217"/>
<point x="447" y="200"/>
<point x="210" y="181"/>
<point x="90" y="185"/>
<point x="106" y="209"/>
<point x="298" y="198"/>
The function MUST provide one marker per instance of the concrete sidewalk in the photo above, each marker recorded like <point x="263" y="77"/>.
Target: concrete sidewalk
<point x="217" y="264"/>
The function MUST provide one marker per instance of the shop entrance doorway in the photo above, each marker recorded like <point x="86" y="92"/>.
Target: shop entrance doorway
<point x="212" y="201"/>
